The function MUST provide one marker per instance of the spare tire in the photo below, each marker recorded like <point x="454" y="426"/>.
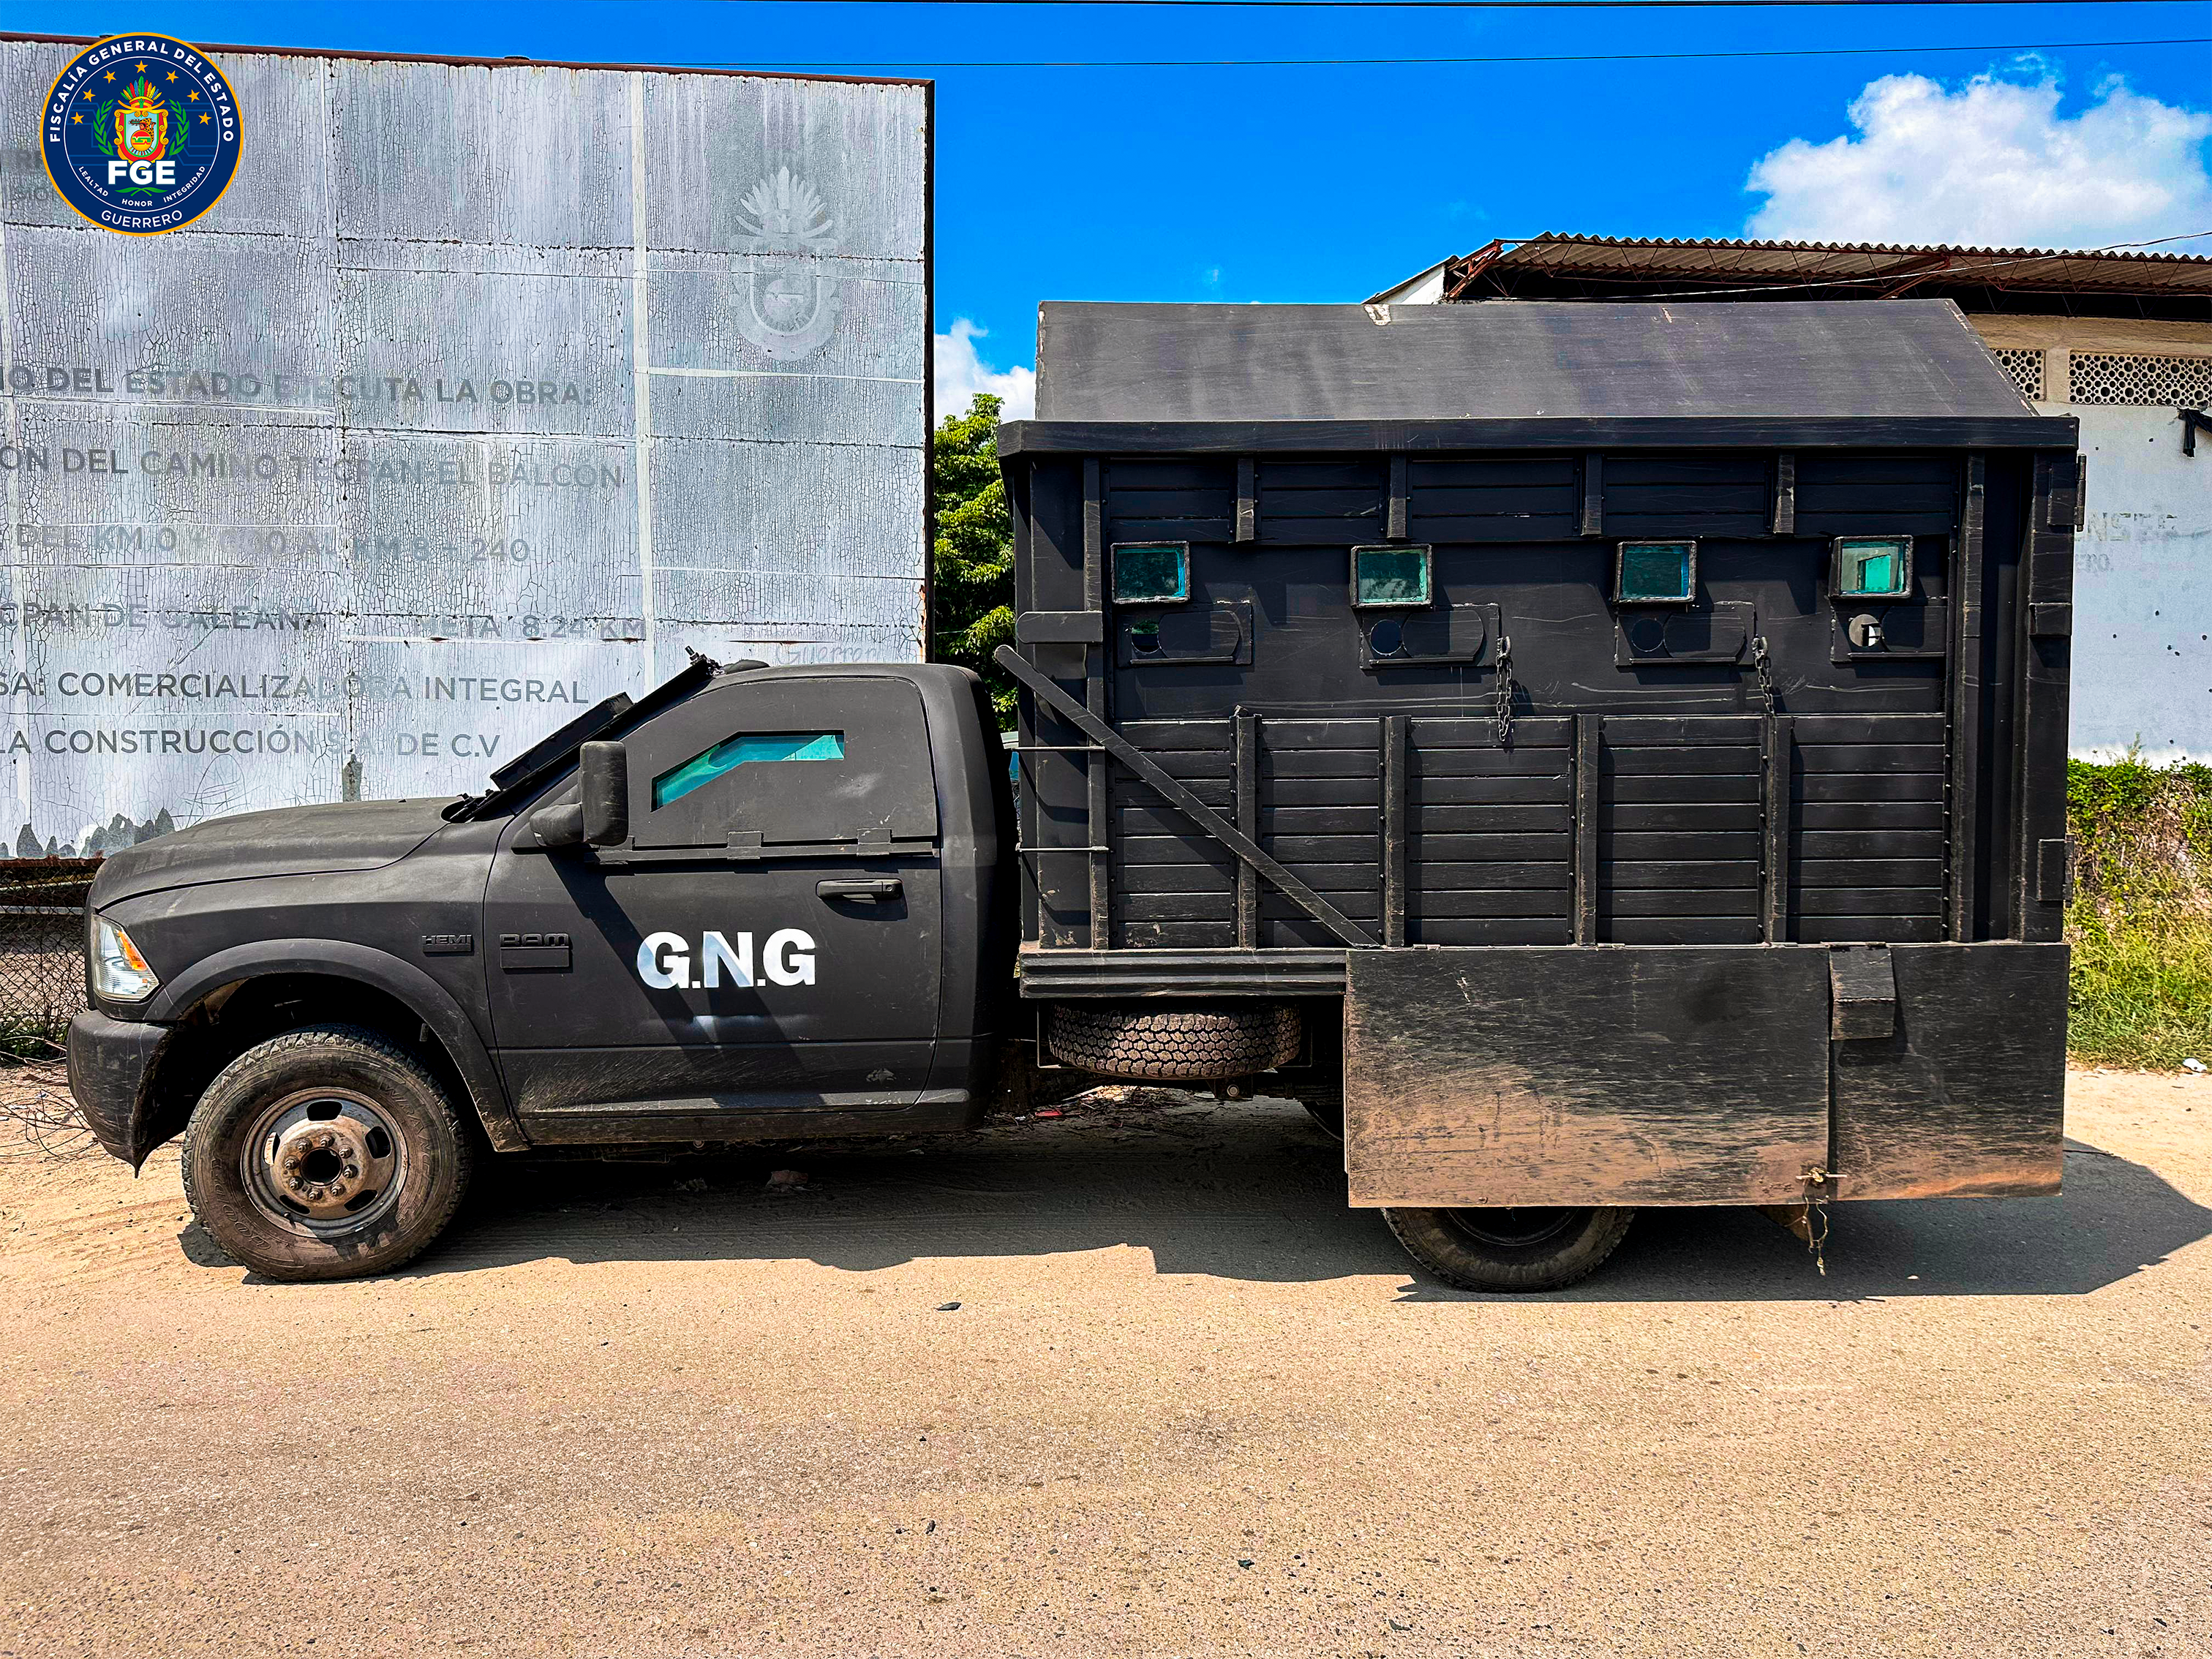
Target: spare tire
<point x="1173" y="1045"/>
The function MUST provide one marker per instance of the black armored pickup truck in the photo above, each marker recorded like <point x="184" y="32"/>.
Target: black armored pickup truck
<point x="1595" y="756"/>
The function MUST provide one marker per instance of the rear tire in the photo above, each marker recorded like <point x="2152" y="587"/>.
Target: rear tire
<point x="328" y="1152"/>
<point x="1173" y="1045"/>
<point x="1503" y="1249"/>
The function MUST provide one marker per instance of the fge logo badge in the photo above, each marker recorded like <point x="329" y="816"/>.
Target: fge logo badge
<point x="140" y="134"/>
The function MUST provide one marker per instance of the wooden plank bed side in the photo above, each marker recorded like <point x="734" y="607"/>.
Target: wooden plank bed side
<point x="1180" y="796"/>
<point x="1247" y="824"/>
<point x="2046" y="650"/>
<point x="1394" y="829"/>
<point x="1963" y="808"/>
<point x="1095" y="661"/>
<point x="1778" y="758"/>
<point x="1590" y="783"/>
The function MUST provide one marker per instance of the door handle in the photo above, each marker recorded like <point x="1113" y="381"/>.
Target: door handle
<point x="868" y="891"/>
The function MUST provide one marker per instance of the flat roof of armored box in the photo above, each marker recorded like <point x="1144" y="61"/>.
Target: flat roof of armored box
<point x="1516" y="373"/>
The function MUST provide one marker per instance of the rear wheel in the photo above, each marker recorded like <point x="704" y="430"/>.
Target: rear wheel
<point x="1511" y="1250"/>
<point x="328" y="1152"/>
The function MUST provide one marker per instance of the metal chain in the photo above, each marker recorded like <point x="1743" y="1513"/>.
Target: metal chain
<point x="1816" y="1217"/>
<point x="1763" y="665"/>
<point x="1505" y="697"/>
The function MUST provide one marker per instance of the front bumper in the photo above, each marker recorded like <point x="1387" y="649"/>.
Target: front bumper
<point x="110" y="1065"/>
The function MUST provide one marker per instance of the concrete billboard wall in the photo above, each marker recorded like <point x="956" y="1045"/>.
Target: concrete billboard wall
<point x="483" y="391"/>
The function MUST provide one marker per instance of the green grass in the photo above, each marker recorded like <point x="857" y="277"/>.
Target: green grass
<point x="2142" y="992"/>
<point x="28" y="1040"/>
<point x="2140" y="922"/>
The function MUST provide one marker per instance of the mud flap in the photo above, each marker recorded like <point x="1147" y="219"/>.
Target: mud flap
<point x="1542" y="1075"/>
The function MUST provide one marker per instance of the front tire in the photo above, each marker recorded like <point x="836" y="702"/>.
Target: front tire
<point x="1511" y="1250"/>
<point x="328" y="1152"/>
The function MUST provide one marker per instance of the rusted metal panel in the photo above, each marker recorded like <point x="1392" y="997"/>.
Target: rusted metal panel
<point x="1963" y="1093"/>
<point x="485" y="390"/>
<point x="1544" y="1075"/>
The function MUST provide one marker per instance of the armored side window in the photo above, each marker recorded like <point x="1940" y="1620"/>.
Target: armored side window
<point x="1151" y="573"/>
<point x="1870" y="567"/>
<point x="750" y="749"/>
<point x="1389" y="576"/>
<point x="1655" y="573"/>
<point x="767" y="761"/>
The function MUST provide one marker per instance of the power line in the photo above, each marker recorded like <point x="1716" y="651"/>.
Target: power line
<point x="1448" y="5"/>
<point x="2155" y="242"/>
<point x="1377" y="63"/>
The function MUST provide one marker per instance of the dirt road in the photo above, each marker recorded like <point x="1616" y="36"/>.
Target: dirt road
<point x="1131" y="1382"/>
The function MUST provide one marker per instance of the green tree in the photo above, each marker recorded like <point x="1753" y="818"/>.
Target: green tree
<point x="972" y="550"/>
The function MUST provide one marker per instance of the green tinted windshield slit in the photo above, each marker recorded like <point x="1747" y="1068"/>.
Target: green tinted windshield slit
<point x="750" y="749"/>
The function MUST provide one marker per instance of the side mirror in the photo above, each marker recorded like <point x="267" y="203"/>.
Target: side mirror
<point x="603" y="769"/>
<point x="600" y="816"/>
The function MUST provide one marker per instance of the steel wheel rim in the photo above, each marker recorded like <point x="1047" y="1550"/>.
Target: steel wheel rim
<point x="323" y="1162"/>
<point x="1515" y="1229"/>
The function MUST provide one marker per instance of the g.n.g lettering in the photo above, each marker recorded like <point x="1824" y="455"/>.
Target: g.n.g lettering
<point x="665" y="961"/>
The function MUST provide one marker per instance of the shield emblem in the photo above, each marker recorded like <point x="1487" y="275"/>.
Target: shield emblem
<point x="788" y="312"/>
<point x="142" y="134"/>
<point x="786" y="307"/>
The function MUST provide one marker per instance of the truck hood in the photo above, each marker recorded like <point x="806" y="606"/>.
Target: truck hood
<point x="293" y="840"/>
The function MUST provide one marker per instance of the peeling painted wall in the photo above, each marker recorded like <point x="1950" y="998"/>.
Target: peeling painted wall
<point x="482" y="392"/>
<point x="2143" y="589"/>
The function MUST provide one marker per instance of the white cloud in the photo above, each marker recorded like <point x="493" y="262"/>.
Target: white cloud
<point x="1992" y="163"/>
<point x="962" y="373"/>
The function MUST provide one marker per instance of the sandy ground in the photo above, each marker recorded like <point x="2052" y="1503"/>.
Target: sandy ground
<point x="1186" y="1404"/>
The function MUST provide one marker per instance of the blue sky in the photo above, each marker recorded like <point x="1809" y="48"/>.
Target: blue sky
<point x="1328" y="183"/>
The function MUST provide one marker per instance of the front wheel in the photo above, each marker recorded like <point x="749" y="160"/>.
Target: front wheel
<point x="328" y="1152"/>
<point x="1511" y="1250"/>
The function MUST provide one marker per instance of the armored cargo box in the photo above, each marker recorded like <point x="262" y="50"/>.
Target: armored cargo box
<point x="1648" y="723"/>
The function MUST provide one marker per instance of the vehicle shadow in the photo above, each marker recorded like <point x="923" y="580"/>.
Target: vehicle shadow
<point x="1253" y="1191"/>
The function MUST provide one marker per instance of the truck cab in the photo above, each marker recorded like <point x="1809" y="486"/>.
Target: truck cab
<point x="758" y="903"/>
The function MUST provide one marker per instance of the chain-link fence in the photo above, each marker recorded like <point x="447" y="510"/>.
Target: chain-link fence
<point x="41" y="946"/>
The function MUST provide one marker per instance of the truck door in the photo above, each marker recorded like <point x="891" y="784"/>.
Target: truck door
<point x="767" y="941"/>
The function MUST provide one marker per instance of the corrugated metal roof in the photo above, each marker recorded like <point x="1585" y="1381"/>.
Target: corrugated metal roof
<point x="1710" y="266"/>
<point x="1554" y="238"/>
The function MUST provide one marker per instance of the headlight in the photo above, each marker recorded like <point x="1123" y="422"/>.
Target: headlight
<point x="119" y="972"/>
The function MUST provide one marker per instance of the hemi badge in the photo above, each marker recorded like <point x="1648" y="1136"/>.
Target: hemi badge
<point x="449" y="944"/>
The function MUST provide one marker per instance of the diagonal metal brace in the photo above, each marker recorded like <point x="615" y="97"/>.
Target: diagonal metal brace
<point x="1186" y="802"/>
